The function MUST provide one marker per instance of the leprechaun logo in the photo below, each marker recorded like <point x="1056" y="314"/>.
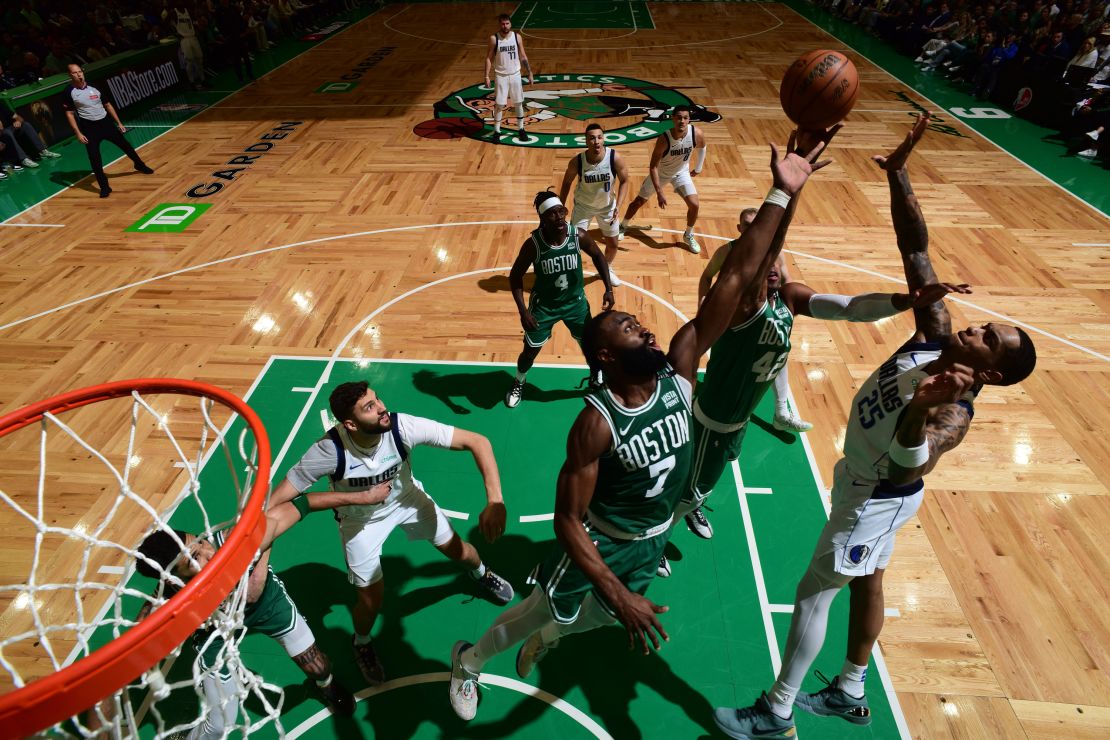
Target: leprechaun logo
<point x="579" y="97"/>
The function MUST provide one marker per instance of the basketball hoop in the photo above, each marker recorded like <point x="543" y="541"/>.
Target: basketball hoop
<point x="134" y="648"/>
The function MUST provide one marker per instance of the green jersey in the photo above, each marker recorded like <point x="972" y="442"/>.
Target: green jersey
<point x="742" y="365"/>
<point x="643" y="475"/>
<point x="558" y="271"/>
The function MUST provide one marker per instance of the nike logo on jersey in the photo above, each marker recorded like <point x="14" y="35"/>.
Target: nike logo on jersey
<point x="624" y="431"/>
<point x="356" y="466"/>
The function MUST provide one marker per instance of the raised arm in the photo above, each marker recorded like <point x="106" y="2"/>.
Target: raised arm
<point x="804" y="300"/>
<point x="524" y="259"/>
<point x="589" y="439"/>
<point x="933" y="423"/>
<point x="492" y="519"/>
<point x="568" y="178"/>
<point x="932" y="321"/>
<point x="589" y="246"/>
<point x="714" y="266"/>
<point x="746" y="261"/>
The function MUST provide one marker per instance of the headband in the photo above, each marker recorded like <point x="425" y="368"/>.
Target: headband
<point x="548" y="204"/>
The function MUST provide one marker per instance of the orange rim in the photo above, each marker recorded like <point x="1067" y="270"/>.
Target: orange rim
<point x="79" y="686"/>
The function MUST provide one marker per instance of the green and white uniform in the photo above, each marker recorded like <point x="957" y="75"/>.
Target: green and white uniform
<point x="742" y="365"/>
<point x="639" y="482"/>
<point x="558" y="293"/>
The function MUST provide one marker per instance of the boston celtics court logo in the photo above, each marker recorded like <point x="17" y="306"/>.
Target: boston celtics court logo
<point x="579" y="97"/>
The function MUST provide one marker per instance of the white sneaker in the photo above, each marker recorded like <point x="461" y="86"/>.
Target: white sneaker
<point x="613" y="279"/>
<point x="663" y="570"/>
<point x="464" y="684"/>
<point x="28" y="162"/>
<point x="49" y="154"/>
<point x="512" y="398"/>
<point x="1093" y="134"/>
<point x="620" y="232"/>
<point x="692" y="243"/>
<point x="791" y="422"/>
<point x="1089" y="153"/>
<point x="531" y="652"/>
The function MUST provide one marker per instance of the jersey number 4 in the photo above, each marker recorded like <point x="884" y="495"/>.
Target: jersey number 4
<point x="768" y="366"/>
<point x="660" y="470"/>
<point x="562" y="282"/>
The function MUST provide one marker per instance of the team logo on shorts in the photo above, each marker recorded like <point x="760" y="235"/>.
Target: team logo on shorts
<point x="579" y="97"/>
<point x="859" y="553"/>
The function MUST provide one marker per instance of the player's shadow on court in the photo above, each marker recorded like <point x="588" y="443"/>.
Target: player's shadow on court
<point x="500" y="283"/>
<point x="482" y="390"/>
<point x="653" y="243"/>
<point x="789" y="438"/>
<point x="73" y="178"/>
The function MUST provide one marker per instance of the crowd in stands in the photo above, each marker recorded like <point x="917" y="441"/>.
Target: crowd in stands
<point x="1048" y="60"/>
<point x="38" y="38"/>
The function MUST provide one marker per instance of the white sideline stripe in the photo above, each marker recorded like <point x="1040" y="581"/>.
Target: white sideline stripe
<point x="757" y="569"/>
<point x="489" y="679"/>
<point x="112" y="570"/>
<point x="538" y="518"/>
<point x="913" y="88"/>
<point x="183" y="464"/>
<point x="758" y="490"/>
<point x="302" y="390"/>
<point x="1085" y="244"/>
<point x="789" y="609"/>
<point x="325" y="420"/>
<point x="36" y="226"/>
<point x="456" y="514"/>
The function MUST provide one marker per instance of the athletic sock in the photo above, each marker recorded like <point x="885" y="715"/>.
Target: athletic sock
<point x="521" y="375"/>
<point x="781" y="699"/>
<point x="362" y="639"/>
<point x="325" y="683"/>
<point x="479" y="571"/>
<point x="851" y="679"/>
<point x="782" y="393"/>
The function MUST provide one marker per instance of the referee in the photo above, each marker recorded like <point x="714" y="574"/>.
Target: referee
<point x="82" y="102"/>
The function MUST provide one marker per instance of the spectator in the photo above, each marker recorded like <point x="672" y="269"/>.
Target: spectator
<point x="986" y="76"/>
<point x="22" y="138"/>
<point x="10" y="79"/>
<point x="234" y="33"/>
<point x="1083" y="63"/>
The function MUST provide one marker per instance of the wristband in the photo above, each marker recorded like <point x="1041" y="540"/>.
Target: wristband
<point x="300" y="503"/>
<point x="777" y="197"/>
<point x="909" y="457"/>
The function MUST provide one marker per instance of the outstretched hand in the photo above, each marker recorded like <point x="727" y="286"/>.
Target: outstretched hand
<point x="637" y="614"/>
<point x="791" y="172"/>
<point x="947" y="386"/>
<point x="491" y="522"/>
<point x="927" y="295"/>
<point x="896" y="160"/>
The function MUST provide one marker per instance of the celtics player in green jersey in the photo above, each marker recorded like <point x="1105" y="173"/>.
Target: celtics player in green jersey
<point x="554" y="252"/>
<point x="629" y="455"/>
<point x="747" y="359"/>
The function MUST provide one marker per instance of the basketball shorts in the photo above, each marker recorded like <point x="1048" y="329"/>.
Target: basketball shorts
<point x="508" y="88"/>
<point x="606" y="219"/>
<point x="574" y="316"/>
<point x="713" y="451"/>
<point x="681" y="181"/>
<point x="864" y="519"/>
<point x="274" y="615"/>
<point x="633" y="562"/>
<point x="417" y="514"/>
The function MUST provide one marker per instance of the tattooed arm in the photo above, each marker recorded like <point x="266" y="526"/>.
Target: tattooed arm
<point x="935" y="416"/>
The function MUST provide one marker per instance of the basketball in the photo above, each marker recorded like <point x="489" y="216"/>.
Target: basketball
<point x="819" y="89"/>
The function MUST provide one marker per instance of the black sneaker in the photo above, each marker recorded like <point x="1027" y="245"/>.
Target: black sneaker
<point x="368" y="663"/>
<point x="338" y="698"/>
<point x="832" y="701"/>
<point x="512" y="398"/>
<point x="105" y="192"/>
<point x="521" y="136"/>
<point x="496" y="587"/>
<point x="699" y="525"/>
<point x="143" y="168"/>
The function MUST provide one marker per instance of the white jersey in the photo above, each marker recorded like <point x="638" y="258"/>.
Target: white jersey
<point x="506" y="57"/>
<point x="595" y="189"/>
<point x="183" y="24"/>
<point x="678" y="154"/>
<point x="878" y="407"/>
<point x="354" y="468"/>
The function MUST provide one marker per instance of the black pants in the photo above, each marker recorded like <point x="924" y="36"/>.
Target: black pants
<point x="105" y="130"/>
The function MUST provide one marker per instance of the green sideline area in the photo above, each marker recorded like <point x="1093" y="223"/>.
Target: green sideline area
<point x="583" y="14"/>
<point x="718" y="653"/>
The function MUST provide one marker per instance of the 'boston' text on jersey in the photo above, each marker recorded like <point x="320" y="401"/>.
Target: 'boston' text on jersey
<point x="661" y="438"/>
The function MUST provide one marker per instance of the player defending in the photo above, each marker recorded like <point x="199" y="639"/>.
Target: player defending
<point x="628" y="457"/>
<point x="370" y="446"/>
<point x="670" y="165"/>
<point x="554" y="252"/>
<point x="786" y="419"/>
<point x="176" y="558"/>
<point x="907" y="414"/>
<point x="506" y="54"/>
<point x="751" y="357"/>
<point x="596" y="168"/>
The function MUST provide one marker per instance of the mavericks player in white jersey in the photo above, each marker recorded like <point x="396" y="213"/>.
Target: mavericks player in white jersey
<point x="670" y="165"/>
<point x="600" y="171"/>
<point x="504" y="57"/>
<point x="368" y="451"/>
<point x="914" y="408"/>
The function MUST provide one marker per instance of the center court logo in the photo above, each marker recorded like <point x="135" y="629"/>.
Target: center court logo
<point x="579" y="97"/>
<point x="169" y="217"/>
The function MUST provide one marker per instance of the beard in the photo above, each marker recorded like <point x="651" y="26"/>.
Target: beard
<point x="643" y="361"/>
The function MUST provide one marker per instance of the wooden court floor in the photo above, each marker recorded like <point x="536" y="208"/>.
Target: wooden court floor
<point x="1002" y="625"/>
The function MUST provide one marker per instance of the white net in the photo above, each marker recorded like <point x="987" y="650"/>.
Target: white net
<point x="80" y="489"/>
